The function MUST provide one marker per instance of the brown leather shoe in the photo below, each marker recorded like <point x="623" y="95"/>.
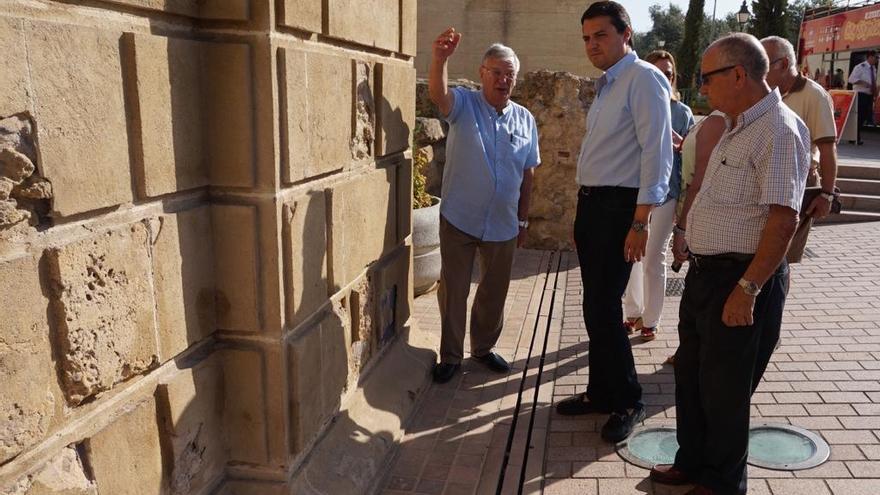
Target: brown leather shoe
<point x="668" y="474"/>
<point x="700" y="490"/>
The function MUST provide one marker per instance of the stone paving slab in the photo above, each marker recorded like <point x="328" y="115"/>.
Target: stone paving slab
<point x="824" y="377"/>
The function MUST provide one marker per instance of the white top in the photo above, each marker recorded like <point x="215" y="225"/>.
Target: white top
<point x="863" y="72"/>
<point x="762" y="159"/>
<point x="813" y="105"/>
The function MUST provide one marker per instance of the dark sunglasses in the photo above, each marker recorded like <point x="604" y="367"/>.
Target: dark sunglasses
<point x="704" y="77"/>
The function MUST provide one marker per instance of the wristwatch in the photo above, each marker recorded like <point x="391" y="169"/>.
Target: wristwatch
<point x="638" y="226"/>
<point x="749" y="287"/>
<point x="827" y="196"/>
<point x="523" y="224"/>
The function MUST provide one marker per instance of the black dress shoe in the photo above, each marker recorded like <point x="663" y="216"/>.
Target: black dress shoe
<point x="579" y="404"/>
<point x="443" y="372"/>
<point x="668" y="474"/>
<point x="621" y="424"/>
<point x="494" y="362"/>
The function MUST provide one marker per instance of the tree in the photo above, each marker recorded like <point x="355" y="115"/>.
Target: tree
<point x="667" y="26"/>
<point x="689" y="51"/>
<point x="770" y="18"/>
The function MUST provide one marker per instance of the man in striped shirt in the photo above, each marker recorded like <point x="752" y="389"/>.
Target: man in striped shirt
<point x="738" y="231"/>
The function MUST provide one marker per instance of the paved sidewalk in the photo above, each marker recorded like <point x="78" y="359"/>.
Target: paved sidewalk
<point x="824" y="377"/>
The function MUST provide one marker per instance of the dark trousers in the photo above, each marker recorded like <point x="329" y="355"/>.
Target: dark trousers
<point x="604" y="217"/>
<point x="865" y="109"/>
<point x="717" y="368"/>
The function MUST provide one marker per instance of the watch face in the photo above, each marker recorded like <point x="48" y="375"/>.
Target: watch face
<point x="638" y="226"/>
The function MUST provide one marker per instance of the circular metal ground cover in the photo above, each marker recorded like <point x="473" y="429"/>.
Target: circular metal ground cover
<point x="771" y="446"/>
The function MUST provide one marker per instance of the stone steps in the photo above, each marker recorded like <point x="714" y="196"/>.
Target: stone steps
<point x="860" y="194"/>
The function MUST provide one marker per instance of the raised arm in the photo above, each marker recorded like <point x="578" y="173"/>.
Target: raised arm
<point x="438" y="80"/>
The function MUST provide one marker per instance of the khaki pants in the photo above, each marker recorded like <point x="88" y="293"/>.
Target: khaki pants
<point x="457" y="253"/>
<point x="799" y="240"/>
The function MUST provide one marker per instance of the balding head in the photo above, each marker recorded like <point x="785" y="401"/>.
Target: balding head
<point x="744" y="50"/>
<point x="779" y="48"/>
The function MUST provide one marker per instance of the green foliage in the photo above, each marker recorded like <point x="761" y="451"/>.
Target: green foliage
<point x="770" y="18"/>
<point x="421" y="198"/>
<point x="667" y="26"/>
<point x="688" y="56"/>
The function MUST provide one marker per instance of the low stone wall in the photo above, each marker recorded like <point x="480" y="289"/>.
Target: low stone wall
<point x="559" y="101"/>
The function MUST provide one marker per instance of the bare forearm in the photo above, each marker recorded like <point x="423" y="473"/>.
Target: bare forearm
<point x="438" y="85"/>
<point x="643" y="213"/>
<point x="827" y="164"/>
<point x="775" y="238"/>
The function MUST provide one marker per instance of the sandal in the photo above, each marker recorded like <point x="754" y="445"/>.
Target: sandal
<point x="633" y="324"/>
<point x="649" y="333"/>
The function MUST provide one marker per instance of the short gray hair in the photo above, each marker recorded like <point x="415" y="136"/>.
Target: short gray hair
<point x="785" y="49"/>
<point x="501" y="52"/>
<point x="743" y="49"/>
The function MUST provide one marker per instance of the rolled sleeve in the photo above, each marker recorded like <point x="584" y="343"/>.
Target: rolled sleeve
<point x="653" y="126"/>
<point x="459" y="94"/>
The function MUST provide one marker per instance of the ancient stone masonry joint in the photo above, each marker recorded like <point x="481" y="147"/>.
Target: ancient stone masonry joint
<point x="25" y="196"/>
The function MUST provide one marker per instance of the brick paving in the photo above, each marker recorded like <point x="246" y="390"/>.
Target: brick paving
<point x="825" y="377"/>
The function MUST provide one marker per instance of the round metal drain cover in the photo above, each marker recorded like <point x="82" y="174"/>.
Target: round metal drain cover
<point x="771" y="446"/>
<point x="785" y="447"/>
<point x="647" y="446"/>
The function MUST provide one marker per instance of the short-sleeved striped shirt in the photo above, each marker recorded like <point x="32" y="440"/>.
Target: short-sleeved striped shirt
<point x="762" y="159"/>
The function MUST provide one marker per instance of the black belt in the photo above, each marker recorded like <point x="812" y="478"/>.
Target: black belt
<point x="588" y="190"/>
<point x="724" y="259"/>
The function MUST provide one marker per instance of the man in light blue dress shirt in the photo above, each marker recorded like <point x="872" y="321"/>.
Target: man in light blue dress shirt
<point x="491" y="153"/>
<point x="623" y="171"/>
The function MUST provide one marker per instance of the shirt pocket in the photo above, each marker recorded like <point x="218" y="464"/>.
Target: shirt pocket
<point x="730" y="182"/>
<point x="518" y="151"/>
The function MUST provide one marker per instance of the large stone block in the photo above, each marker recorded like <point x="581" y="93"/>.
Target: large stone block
<point x="363" y="224"/>
<point x="301" y="14"/>
<point x="305" y="244"/>
<point x="191" y="416"/>
<point x="392" y="293"/>
<point x="183" y="262"/>
<point x="395" y="107"/>
<point x="13" y="67"/>
<point x="319" y="366"/>
<point x="244" y="405"/>
<point x="64" y="474"/>
<point x="346" y="21"/>
<point x="405" y="197"/>
<point x="166" y="96"/>
<point x="126" y="456"/>
<point x="227" y="88"/>
<point x="79" y="108"/>
<point x="408" y="26"/>
<point x="103" y="310"/>
<point x="206" y="9"/>
<point x="318" y="105"/>
<point x="27" y="404"/>
<point x="254" y="487"/>
<point x="237" y="267"/>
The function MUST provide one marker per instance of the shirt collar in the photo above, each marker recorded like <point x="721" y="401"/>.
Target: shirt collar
<point x="615" y="70"/>
<point x="756" y="111"/>
<point x="491" y="109"/>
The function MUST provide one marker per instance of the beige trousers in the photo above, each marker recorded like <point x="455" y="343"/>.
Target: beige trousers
<point x="457" y="253"/>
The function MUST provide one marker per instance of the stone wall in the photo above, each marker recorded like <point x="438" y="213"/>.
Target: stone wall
<point x="546" y="34"/>
<point x="205" y="245"/>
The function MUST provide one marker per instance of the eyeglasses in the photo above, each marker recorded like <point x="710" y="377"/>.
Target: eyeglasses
<point x="776" y="60"/>
<point x="704" y="77"/>
<point x="497" y="74"/>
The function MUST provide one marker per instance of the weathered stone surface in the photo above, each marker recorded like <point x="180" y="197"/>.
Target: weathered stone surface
<point x="228" y="112"/>
<point x="363" y="134"/>
<point x="233" y="487"/>
<point x="301" y="14"/>
<point x="191" y="418"/>
<point x="183" y="263"/>
<point x="14" y="165"/>
<point x="13" y="67"/>
<point x="425" y="107"/>
<point x="404" y="198"/>
<point x="167" y="98"/>
<point x="244" y="405"/>
<point x="346" y="21"/>
<point x="428" y="131"/>
<point x="125" y="456"/>
<point x="103" y="310"/>
<point x="395" y="104"/>
<point x="236" y="267"/>
<point x="392" y="289"/>
<point x="26" y="370"/>
<point x="207" y="9"/>
<point x="23" y="193"/>
<point x="318" y="367"/>
<point x="363" y="224"/>
<point x="79" y="106"/>
<point x="63" y="475"/>
<point x="408" y="27"/>
<point x="318" y="124"/>
<point x="559" y="102"/>
<point x="305" y="238"/>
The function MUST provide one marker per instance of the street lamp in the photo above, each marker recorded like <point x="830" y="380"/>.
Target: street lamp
<point x="742" y="17"/>
<point x="661" y="44"/>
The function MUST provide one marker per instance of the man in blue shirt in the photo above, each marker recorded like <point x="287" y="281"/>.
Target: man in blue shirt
<point x="623" y="171"/>
<point x="491" y="152"/>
